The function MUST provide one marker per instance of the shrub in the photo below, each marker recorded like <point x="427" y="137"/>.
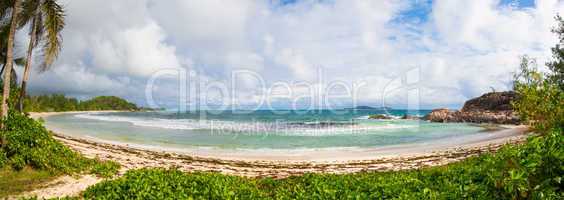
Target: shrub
<point x="105" y="169"/>
<point x="541" y="101"/>
<point x="3" y="158"/>
<point x="25" y="142"/>
<point x="541" y="95"/>
<point x="174" y="184"/>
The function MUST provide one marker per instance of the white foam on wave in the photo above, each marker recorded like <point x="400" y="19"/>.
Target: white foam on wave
<point x="387" y="115"/>
<point x="182" y="124"/>
<point x="274" y="128"/>
<point x="363" y="117"/>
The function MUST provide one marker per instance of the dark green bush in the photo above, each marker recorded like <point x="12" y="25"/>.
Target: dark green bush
<point x="174" y="184"/>
<point x="25" y="142"/>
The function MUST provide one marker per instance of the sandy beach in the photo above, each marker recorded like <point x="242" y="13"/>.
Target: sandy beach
<point x="278" y="165"/>
<point x="246" y="162"/>
<point x="37" y="115"/>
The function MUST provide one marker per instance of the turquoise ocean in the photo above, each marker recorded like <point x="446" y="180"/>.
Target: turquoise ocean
<point x="259" y="129"/>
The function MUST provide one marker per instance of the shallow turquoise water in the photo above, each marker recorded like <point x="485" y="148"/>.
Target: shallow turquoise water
<point x="258" y="129"/>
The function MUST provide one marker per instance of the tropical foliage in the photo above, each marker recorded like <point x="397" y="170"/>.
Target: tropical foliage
<point x="13" y="6"/>
<point x="541" y="95"/>
<point x="25" y="142"/>
<point x="59" y="103"/>
<point x="46" y="21"/>
<point x="556" y="66"/>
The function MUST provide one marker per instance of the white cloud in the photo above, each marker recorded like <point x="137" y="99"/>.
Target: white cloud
<point x="462" y="49"/>
<point x="136" y="51"/>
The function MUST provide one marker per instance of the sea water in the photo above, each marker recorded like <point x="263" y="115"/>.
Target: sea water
<point x="262" y="129"/>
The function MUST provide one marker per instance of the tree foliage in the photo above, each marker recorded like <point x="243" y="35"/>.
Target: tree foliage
<point x="60" y="102"/>
<point x="556" y="66"/>
<point x="541" y="95"/>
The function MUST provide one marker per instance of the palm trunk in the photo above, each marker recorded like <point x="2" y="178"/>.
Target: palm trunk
<point x="9" y="60"/>
<point x="27" y="63"/>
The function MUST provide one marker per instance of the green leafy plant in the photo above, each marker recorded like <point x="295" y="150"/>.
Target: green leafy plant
<point x="163" y="184"/>
<point x="530" y="171"/>
<point x="105" y="169"/>
<point x="25" y="142"/>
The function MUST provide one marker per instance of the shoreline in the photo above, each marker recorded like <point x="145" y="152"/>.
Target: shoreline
<point x="330" y="155"/>
<point x="136" y="158"/>
<point x="132" y="158"/>
<point x="482" y="142"/>
<point x="37" y="115"/>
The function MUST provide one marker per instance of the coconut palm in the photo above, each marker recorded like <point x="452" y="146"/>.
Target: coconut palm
<point x="46" y="20"/>
<point x="4" y="30"/>
<point x="9" y="57"/>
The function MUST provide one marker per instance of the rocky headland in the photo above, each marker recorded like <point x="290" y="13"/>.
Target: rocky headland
<point x="493" y="107"/>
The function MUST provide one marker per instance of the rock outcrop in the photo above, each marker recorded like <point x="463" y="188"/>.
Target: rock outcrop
<point x="493" y="101"/>
<point x="493" y="107"/>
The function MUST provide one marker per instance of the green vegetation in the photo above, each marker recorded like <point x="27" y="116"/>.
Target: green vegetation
<point x="106" y="103"/>
<point x="530" y="171"/>
<point x="45" y="20"/>
<point x="541" y="100"/>
<point x="17" y="181"/>
<point x="59" y="103"/>
<point x="174" y="184"/>
<point x="28" y="151"/>
<point x="542" y="94"/>
<point x="25" y="142"/>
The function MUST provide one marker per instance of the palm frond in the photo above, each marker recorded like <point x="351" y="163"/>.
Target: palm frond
<point x="5" y="9"/>
<point x="54" y="24"/>
<point x="28" y="12"/>
<point x="4" y="32"/>
<point x="40" y="30"/>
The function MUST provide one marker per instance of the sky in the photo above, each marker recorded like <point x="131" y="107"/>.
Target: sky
<point x="284" y="53"/>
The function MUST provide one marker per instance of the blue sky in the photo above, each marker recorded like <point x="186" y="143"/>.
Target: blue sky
<point x="460" y="49"/>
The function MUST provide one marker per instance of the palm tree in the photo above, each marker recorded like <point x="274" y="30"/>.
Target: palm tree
<point x="4" y="30"/>
<point x="9" y="58"/>
<point x="46" y="19"/>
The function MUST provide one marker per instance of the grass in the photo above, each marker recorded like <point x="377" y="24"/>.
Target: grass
<point x="13" y="182"/>
<point x="29" y="155"/>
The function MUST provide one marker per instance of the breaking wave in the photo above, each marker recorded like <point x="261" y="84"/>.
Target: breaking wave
<point x="309" y="128"/>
